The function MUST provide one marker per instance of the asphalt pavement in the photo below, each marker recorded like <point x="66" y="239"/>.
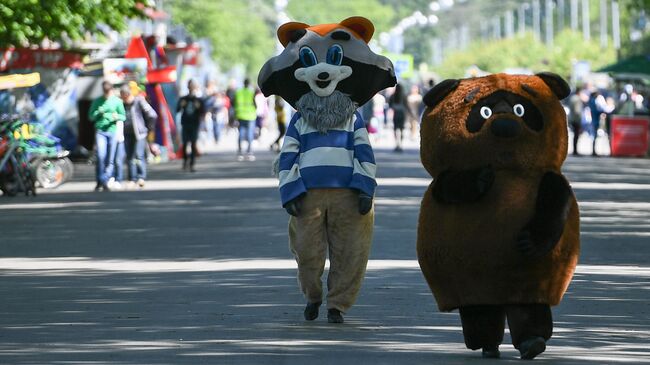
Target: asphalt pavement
<point x="195" y="269"/>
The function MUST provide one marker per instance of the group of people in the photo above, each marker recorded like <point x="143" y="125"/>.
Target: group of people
<point x="591" y="110"/>
<point x="404" y="110"/>
<point x="122" y="125"/>
<point x="245" y="109"/>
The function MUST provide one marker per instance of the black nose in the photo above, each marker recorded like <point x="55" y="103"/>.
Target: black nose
<point x="505" y="128"/>
<point x="323" y="75"/>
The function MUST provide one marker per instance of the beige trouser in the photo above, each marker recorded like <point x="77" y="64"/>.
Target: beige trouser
<point x="330" y="219"/>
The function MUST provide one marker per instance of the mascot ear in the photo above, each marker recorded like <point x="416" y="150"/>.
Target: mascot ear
<point x="439" y="92"/>
<point x="557" y="84"/>
<point x="291" y="32"/>
<point x="361" y="26"/>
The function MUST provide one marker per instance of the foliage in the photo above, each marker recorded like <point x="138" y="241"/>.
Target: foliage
<point x="629" y="18"/>
<point x="526" y="52"/>
<point x="237" y="31"/>
<point x="332" y="11"/>
<point x="24" y="22"/>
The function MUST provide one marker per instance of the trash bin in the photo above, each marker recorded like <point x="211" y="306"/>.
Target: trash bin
<point x="629" y="135"/>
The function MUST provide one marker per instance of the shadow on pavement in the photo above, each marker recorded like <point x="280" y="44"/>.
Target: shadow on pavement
<point x="205" y="276"/>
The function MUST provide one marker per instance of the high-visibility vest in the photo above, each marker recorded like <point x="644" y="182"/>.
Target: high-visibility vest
<point x="245" y="104"/>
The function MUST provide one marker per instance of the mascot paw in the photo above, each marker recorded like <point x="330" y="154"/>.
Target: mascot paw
<point x="293" y="207"/>
<point x="484" y="179"/>
<point x="531" y="246"/>
<point x="365" y="203"/>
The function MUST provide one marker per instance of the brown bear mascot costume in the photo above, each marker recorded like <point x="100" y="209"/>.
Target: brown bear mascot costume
<point x="498" y="234"/>
<point x="326" y="166"/>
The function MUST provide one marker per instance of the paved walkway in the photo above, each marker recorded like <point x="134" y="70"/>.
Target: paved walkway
<point x="195" y="269"/>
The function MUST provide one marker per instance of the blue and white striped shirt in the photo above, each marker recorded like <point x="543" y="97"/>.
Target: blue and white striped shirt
<point x="340" y="158"/>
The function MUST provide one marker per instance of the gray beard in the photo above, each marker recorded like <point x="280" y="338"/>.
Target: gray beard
<point x="326" y="112"/>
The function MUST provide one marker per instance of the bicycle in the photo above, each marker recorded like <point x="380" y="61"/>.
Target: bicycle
<point x="15" y="171"/>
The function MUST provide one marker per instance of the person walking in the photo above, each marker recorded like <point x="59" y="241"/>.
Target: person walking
<point x="414" y="102"/>
<point x="281" y="119"/>
<point x="193" y="110"/>
<point x="262" y="111"/>
<point x="140" y="119"/>
<point x="246" y="114"/>
<point x="215" y="105"/>
<point x="397" y="102"/>
<point x="598" y="106"/>
<point x="115" y="182"/>
<point x="105" y="112"/>
<point x="576" y="110"/>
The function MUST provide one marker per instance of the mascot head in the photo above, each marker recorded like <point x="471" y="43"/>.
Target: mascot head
<point x="507" y="121"/>
<point x="322" y="59"/>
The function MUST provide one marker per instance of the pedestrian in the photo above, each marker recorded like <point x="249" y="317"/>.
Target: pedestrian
<point x="193" y="109"/>
<point x="140" y="119"/>
<point x="414" y="102"/>
<point x="115" y="182"/>
<point x="378" y="113"/>
<point x="215" y="105"/>
<point x="576" y="111"/>
<point x="397" y="103"/>
<point x="230" y="101"/>
<point x="327" y="167"/>
<point x="105" y="112"/>
<point x="262" y="111"/>
<point x="281" y="119"/>
<point x="246" y="114"/>
<point x="598" y="106"/>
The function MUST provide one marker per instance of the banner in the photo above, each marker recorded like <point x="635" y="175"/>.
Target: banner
<point x="26" y="58"/>
<point x="19" y="80"/>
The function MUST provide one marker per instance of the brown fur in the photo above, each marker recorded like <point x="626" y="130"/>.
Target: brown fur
<point x="468" y="252"/>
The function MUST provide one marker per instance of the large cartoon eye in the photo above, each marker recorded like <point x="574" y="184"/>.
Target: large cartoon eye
<point x="307" y="57"/>
<point x="486" y="112"/>
<point x="335" y="55"/>
<point x="518" y="109"/>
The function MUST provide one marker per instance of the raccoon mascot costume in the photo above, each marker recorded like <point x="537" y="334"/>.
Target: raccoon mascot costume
<point x="326" y="165"/>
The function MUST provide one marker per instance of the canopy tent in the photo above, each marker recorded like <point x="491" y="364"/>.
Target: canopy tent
<point x="633" y="65"/>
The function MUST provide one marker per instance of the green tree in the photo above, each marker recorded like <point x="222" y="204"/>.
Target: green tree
<point x="630" y="16"/>
<point x="24" y="22"/>
<point x="239" y="31"/>
<point x="527" y="52"/>
<point x="332" y="11"/>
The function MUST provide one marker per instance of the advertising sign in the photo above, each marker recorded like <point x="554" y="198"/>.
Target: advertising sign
<point x="629" y="135"/>
<point x="19" y="80"/>
<point x="27" y="58"/>
<point x="403" y="64"/>
<point x="122" y="70"/>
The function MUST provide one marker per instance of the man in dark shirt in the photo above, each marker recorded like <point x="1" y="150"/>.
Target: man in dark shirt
<point x="193" y="109"/>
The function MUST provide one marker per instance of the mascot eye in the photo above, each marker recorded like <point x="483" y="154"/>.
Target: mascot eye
<point x="335" y="55"/>
<point x="486" y="112"/>
<point x="307" y="57"/>
<point x="519" y="110"/>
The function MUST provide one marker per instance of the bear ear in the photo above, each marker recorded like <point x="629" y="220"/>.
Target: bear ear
<point x="439" y="92"/>
<point x="360" y="25"/>
<point x="557" y="84"/>
<point x="291" y="32"/>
